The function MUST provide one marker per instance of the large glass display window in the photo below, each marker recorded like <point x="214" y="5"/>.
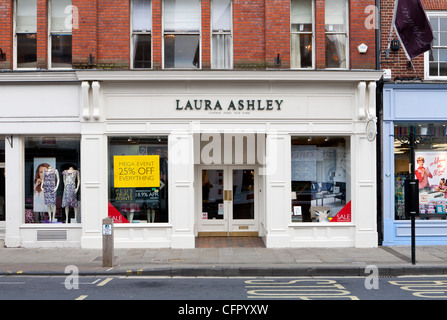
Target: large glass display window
<point x="320" y="179"/>
<point x="430" y="151"/>
<point x="52" y="180"/>
<point x="138" y="179"/>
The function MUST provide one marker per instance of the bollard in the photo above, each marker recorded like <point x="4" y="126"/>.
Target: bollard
<point x="107" y="242"/>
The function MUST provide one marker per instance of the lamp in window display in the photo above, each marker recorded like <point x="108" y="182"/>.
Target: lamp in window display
<point x="71" y="187"/>
<point x="50" y="183"/>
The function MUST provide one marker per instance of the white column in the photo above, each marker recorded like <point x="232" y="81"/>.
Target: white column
<point x="14" y="193"/>
<point x="181" y="189"/>
<point x="93" y="188"/>
<point x="364" y="198"/>
<point x="278" y="201"/>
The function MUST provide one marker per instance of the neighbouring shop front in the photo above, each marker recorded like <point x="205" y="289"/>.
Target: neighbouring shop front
<point x="171" y="156"/>
<point x="421" y="108"/>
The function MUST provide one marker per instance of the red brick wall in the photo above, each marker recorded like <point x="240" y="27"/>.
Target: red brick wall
<point x="398" y="62"/>
<point x="261" y="31"/>
<point x="248" y="34"/>
<point x="113" y="34"/>
<point x="85" y="40"/>
<point x="6" y="29"/>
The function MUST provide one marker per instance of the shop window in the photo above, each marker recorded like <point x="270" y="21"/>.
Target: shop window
<point x="181" y="34"/>
<point x="52" y="180"/>
<point x="320" y="179"/>
<point x="430" y="168"/>
<point x="141" y="34"/>
<point x="26" y="34"/>
<point x="302" y="33"/>
<point x="336" y="27"/>
<point x="60" y="34"/>
<point x="222" y="40"/>
<point x="436" y="58"/>
<point x="138" y="179"/>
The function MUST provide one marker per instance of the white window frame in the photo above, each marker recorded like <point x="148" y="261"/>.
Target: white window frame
<point x="143" y="32"/>
<point x="441" y="14"/>
<point x="220" y="32"/>
<point x="164" y="33"/>
<point x="345" y="33"/>
<point x="14" y="66"/>
<point x="50" y="33"/>
<point x="304" y="32"/>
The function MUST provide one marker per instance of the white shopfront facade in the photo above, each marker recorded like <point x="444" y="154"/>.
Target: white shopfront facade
<point x="280" y="155"/>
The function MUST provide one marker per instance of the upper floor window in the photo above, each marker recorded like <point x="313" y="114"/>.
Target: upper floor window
<point x="436" y="58"/>
<point x="25" y="48"/>
<point x="222" y="42"/>
<point x="181" y="27"/>
<point x="302" y="31"/>
<point x="336" y="27"/>
<point x="60" y="34"/>
<point x="141" y="34"/>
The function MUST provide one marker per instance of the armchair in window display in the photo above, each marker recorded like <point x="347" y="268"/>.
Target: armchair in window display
<point x="71" y="187"/>
<point x="50" y="183"/>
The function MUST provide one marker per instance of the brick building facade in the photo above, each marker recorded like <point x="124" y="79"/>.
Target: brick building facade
<point x="261" y="34"/>
<point x="252" y="118"/>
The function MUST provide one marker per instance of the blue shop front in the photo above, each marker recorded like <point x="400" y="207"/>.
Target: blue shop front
<point x="421" y="107"/>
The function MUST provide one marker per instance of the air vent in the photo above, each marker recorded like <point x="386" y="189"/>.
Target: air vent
<point x="51" y="235"/>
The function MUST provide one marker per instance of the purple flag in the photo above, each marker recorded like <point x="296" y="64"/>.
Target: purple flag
<point x="413" y="27"/>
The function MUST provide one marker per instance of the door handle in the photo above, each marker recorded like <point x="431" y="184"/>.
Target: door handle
<point x="228" y="195"/>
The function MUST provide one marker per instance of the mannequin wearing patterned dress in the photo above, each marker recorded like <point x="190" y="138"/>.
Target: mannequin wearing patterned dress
<point x="50" y="183"/>
<point x="71" y="187"/>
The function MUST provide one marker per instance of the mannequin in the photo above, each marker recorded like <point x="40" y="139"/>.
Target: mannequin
<point x="150" y="212"/>
<point x="71" y="187"/>
<point x="50" y="183"/>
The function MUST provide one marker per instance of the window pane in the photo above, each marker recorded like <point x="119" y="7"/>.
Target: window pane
<point x="434" y="23"/>
<point x="59" y="15"/>
<point x="61" y="51"/>
<point x="433" y="69"/>
<point x="137" y="204"/>
<point x="443" y="69"/>
<point x="301" y="51"/>
<point x="26" y="21"/>
<point x="335" y="51"/>
<point x="181" y="15"/>
<point x="222" y="47"/>
<point x="142" y="51"/>
<point x="43" y="196"/>
<point x="442" y="54"/>
<point x="443" y="39"/>
<point x="27" y="50"/>
<point x="320" y="179"/>
<point x="335" y="15"/>
<point x="301" y="15"/>
<point x="141" y="15"/>
<point x="182" y="51"/>
<point x="221" y="15"/>
<point x="430" y="157"/>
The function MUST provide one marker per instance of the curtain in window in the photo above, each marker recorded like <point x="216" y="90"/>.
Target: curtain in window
<point x="335" y="51"/>
<point x="181" y="15"/>
<point x="221" y="54"/>
<point x="301" y="15"/>
<point x="335" y="15"/>
<point x="141" y="15"/>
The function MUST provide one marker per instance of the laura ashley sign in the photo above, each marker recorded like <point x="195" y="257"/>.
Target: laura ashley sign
<point x="236" y="105"/>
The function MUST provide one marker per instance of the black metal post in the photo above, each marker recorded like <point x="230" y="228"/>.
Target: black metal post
<point x="412" y="176"/>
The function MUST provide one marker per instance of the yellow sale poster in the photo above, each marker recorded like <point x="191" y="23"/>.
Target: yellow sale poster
<point x="136" y="171"/>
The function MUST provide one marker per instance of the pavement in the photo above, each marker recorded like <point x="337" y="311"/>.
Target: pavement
<point x="226" y="262"/>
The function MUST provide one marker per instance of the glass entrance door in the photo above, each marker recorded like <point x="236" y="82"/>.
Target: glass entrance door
<point x="227" y="200"/>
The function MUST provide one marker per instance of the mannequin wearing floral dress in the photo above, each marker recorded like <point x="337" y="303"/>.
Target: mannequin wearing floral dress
<point x="71" y="187"/>
<point x="50" y="183"/>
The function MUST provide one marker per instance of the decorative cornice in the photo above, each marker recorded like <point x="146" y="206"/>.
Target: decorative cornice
<point x="199" y="75"/>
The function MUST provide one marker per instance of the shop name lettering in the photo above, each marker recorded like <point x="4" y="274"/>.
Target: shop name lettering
<point x="240" y="105"/>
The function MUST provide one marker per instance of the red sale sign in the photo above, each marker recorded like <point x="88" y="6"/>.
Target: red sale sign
<point x="344" y="215"/>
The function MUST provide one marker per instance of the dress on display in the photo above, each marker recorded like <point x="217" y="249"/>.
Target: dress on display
<point x="49" y="183"/>
<point x="69" y="198"/>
